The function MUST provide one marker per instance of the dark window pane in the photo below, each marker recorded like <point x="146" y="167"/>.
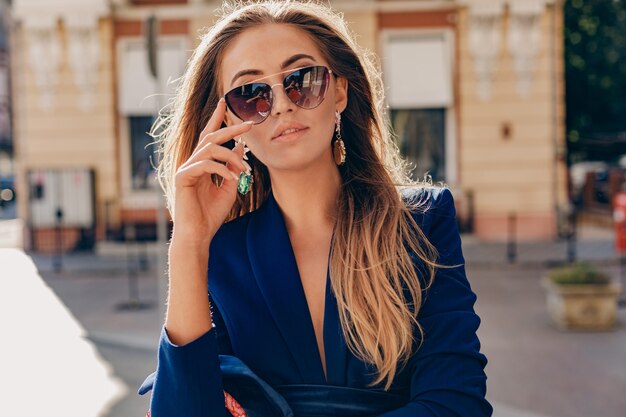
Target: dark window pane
<point x="421" y="139"/>
<point x="142" y="153"/>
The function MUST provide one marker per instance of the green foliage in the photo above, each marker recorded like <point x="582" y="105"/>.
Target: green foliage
<point x="595" y="67"/>
<point x="578" y="273"/>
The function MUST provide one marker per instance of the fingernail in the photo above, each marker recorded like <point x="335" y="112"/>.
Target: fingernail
<point x="245" y="157"/>
<point x="221" y="100"/>
<point x="248" y="167"/>
<point x="239" y="140"/>
<point x="249" y="122"/>
<point x="235" y="177"/>
<point x="245" y="148"/>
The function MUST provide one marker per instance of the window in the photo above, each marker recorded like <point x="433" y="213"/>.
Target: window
<point x="417" y="67"/>
<point x="421" y="138"/>
<point x="142" y="152"/>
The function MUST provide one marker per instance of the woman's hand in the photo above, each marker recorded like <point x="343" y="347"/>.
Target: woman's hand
<point x="201" y="206"/>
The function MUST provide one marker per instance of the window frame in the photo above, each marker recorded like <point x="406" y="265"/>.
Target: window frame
<point x="386" y="36"/>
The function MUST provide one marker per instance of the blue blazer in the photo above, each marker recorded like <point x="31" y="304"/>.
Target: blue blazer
<point x="262" y="323"/>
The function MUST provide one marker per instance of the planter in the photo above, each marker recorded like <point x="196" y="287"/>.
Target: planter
<point x="583" y="306"/>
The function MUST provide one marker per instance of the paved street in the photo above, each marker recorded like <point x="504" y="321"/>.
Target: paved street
<point x="534" y="366"/>
<point x="534" y="369"/>
<point x="131" y="365"/>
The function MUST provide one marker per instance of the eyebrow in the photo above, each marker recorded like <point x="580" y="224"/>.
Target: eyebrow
<point x="284" y="65"/>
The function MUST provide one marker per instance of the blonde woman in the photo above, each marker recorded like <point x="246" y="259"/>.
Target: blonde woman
<point x="335" y="283"/>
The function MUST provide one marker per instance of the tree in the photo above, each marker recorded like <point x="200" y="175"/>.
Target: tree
<point x="595" y="73"/>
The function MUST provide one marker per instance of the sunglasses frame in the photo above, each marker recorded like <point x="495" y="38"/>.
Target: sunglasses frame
<point x="271" y="89"/>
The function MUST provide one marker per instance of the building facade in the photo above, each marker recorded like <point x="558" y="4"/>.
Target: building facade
<point x="474" y="89"/>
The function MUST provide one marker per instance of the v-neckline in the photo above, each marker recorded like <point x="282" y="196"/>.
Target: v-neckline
<point x="323" y="362"/>
<point x="279" y="280"/>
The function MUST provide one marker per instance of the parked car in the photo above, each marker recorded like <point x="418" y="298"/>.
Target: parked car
<point x="578" y="173"/>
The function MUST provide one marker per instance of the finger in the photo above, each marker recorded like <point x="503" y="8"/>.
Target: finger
<point x="206" y="166"/>
<point x="220" y="153"/>
<point x="225" y="134"/>
<point x="215" y="121"/>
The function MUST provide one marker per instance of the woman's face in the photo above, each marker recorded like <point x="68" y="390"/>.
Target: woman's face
<point x="269" y="52"/>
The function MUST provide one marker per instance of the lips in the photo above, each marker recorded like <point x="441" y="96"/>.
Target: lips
<point x="288" y="131"/>
<point x="285" y="129"/>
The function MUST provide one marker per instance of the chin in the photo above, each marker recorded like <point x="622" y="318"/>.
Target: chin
<point x="290" y="164"/>
<point x="294" y="161"/>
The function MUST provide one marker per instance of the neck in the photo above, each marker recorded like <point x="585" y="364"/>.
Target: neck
<point x="308" y="197"/>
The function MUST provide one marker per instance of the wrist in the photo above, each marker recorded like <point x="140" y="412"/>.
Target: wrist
<point x="191" y="240"/>
<point x="189" y="246"/>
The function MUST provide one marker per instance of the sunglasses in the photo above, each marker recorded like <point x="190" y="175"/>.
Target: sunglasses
<point x="305" y="87"/>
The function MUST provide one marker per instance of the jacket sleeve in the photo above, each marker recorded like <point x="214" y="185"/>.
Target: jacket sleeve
<point x="447" y="371"/>
<point x="188" y="379"/>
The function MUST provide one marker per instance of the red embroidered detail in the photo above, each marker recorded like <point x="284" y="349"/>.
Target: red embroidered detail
<point x="233" y="406"/>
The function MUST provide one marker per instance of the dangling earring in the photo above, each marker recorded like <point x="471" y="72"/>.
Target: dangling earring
<point x="245" y="182"/>
<point x="339" y="148"/>
<point x="246" y="179"/>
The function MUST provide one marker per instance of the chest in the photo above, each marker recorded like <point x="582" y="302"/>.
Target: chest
<point x="312" y="262"/>
<point x="311" y="254"/>
<point x="268" y="284"/>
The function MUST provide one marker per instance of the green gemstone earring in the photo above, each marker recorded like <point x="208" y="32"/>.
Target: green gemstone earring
<point x="245" y="182"/>
<point x="245" y="178"/>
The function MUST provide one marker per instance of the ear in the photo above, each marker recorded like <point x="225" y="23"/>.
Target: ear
<point x="228" y="120"/>
<point x="341" y="94"/>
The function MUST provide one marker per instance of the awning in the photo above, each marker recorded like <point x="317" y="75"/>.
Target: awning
<point x="418" y="70"/>
<point x="45" y="13"/>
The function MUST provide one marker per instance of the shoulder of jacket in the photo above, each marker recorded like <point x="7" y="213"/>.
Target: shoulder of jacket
<point x="421" y="199"/>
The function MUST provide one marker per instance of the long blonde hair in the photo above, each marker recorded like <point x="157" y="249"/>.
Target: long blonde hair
<point x="372" y="273"/>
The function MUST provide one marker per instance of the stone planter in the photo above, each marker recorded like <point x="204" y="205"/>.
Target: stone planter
<point x="582" y="307"/>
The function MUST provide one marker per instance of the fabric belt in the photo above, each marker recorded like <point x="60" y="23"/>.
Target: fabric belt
<point x="333" y="401"/>
<point x="259" y="399"/>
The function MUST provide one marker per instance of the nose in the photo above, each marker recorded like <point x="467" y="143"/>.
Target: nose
<point x="281" y="103"/>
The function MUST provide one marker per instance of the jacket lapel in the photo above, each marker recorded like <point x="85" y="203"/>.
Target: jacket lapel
<point x="276" y="272"/>
<point x="334" y="342"/>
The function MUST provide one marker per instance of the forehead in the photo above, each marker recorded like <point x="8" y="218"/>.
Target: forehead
<point x="264" y="48"/>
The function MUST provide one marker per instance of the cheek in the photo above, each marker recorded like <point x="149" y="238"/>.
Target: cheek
<point x="255" y="138"/>
<point x="328" y="116"/>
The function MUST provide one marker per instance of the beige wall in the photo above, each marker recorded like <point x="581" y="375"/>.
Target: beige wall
<point x="66" y="136"/>
<point x="365" y="27"/>
<point x="514" y="175"/>
<point x="198" y="25"/>
<point x="559" y="73"/>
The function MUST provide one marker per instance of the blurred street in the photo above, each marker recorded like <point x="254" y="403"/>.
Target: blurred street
<point x="534" y="369"/>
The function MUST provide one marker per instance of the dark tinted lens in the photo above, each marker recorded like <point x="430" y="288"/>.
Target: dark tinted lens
<point x="250" y="102"/>
<point x="307" y="87"/>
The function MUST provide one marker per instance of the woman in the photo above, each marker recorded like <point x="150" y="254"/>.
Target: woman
<point x="336" y="285"/>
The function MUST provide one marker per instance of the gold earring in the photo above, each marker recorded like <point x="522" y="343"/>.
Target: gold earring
<point x="339" y="147"/>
